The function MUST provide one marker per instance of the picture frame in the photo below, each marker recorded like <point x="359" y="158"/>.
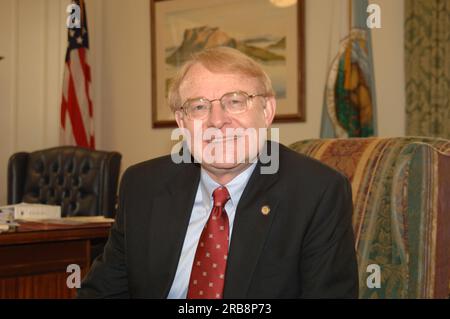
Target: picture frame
<point x="267" y="30"/>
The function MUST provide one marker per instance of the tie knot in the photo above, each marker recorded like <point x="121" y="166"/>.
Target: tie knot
<point x="221" y="196"/>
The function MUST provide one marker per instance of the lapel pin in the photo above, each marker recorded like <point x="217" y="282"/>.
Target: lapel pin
<point x="265" y="210"/>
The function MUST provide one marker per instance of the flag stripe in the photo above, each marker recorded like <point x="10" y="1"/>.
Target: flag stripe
<point x="79" y="85"/>
<point x="64" y="98"/>
<point x="83" y="54"/>
<point x="76" y="119"/>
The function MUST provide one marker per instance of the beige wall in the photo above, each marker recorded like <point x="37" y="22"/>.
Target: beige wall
<point x="33" y="41"/>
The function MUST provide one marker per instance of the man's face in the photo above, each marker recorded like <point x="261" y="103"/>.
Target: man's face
<point x="200" y="82"/>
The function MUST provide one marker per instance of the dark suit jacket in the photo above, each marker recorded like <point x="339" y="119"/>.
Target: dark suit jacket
<point x="304" y="248"/>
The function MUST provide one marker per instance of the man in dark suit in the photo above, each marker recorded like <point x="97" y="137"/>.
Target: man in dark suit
<point x="223" y="226"/>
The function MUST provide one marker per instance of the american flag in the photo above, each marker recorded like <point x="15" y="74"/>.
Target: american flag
<point x="77" y="113"/>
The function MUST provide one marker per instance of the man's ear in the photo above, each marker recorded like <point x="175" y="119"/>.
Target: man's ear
<point x="269" y="110"/>
<point x="179" y="118"/>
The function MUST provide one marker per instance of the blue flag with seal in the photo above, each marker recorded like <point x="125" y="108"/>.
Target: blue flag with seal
<point x="349" y="106"/>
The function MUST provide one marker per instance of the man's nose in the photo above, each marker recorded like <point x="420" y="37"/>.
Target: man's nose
<point x="218" y="116"/>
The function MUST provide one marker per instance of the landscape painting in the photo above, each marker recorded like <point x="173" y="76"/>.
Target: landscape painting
<point x="266" y="32"/>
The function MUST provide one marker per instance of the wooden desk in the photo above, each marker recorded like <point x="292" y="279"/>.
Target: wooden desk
<point x="34" y="258"/>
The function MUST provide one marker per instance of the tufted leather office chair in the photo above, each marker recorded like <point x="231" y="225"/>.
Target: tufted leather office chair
<point x="82" y="181"/>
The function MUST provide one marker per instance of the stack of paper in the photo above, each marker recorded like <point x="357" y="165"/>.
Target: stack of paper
<point x="6" y="219"/>
<point x="26" y="211"/>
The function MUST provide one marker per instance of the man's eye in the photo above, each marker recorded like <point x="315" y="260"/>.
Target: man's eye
<point x="236" y="103"/>
<point x="199" y="107"/>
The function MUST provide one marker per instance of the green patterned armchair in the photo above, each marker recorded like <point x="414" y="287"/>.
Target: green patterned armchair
<point x="401" y="203"/>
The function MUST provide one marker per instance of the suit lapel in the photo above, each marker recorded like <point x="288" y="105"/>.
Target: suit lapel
<point x="171" y="211"/>
<point x="250" y="230"/>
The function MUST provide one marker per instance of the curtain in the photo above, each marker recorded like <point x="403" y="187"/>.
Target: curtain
<point x="427" y="66"/>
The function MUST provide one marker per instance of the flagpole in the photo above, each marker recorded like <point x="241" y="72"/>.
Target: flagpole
<point x="348" y="51"/>
<point x="82" y="12"/>
<point x="350" y="9"/>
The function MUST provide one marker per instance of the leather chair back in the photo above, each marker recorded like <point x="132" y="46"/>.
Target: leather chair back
<point x="81" y="180"/>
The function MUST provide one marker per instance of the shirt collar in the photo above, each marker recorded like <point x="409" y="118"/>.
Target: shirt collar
<point x="235" y="186"/>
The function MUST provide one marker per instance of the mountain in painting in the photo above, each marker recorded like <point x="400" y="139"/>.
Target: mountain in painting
<point x="281" y="44"/>
<point x="205" y="37"/>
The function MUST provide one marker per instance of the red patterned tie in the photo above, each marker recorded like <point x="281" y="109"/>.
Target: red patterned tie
<point x="208" y="271"/>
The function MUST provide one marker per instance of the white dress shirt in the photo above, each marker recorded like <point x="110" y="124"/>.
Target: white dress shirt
<point x="200" y="214"/>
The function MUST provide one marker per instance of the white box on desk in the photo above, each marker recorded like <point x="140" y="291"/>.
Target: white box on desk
<point x="33" y="211"/>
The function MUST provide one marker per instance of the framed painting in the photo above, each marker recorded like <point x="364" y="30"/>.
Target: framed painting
<point x="269" y="31"/>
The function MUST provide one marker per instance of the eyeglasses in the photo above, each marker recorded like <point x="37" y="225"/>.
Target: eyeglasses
<point x="232" y="102"/>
